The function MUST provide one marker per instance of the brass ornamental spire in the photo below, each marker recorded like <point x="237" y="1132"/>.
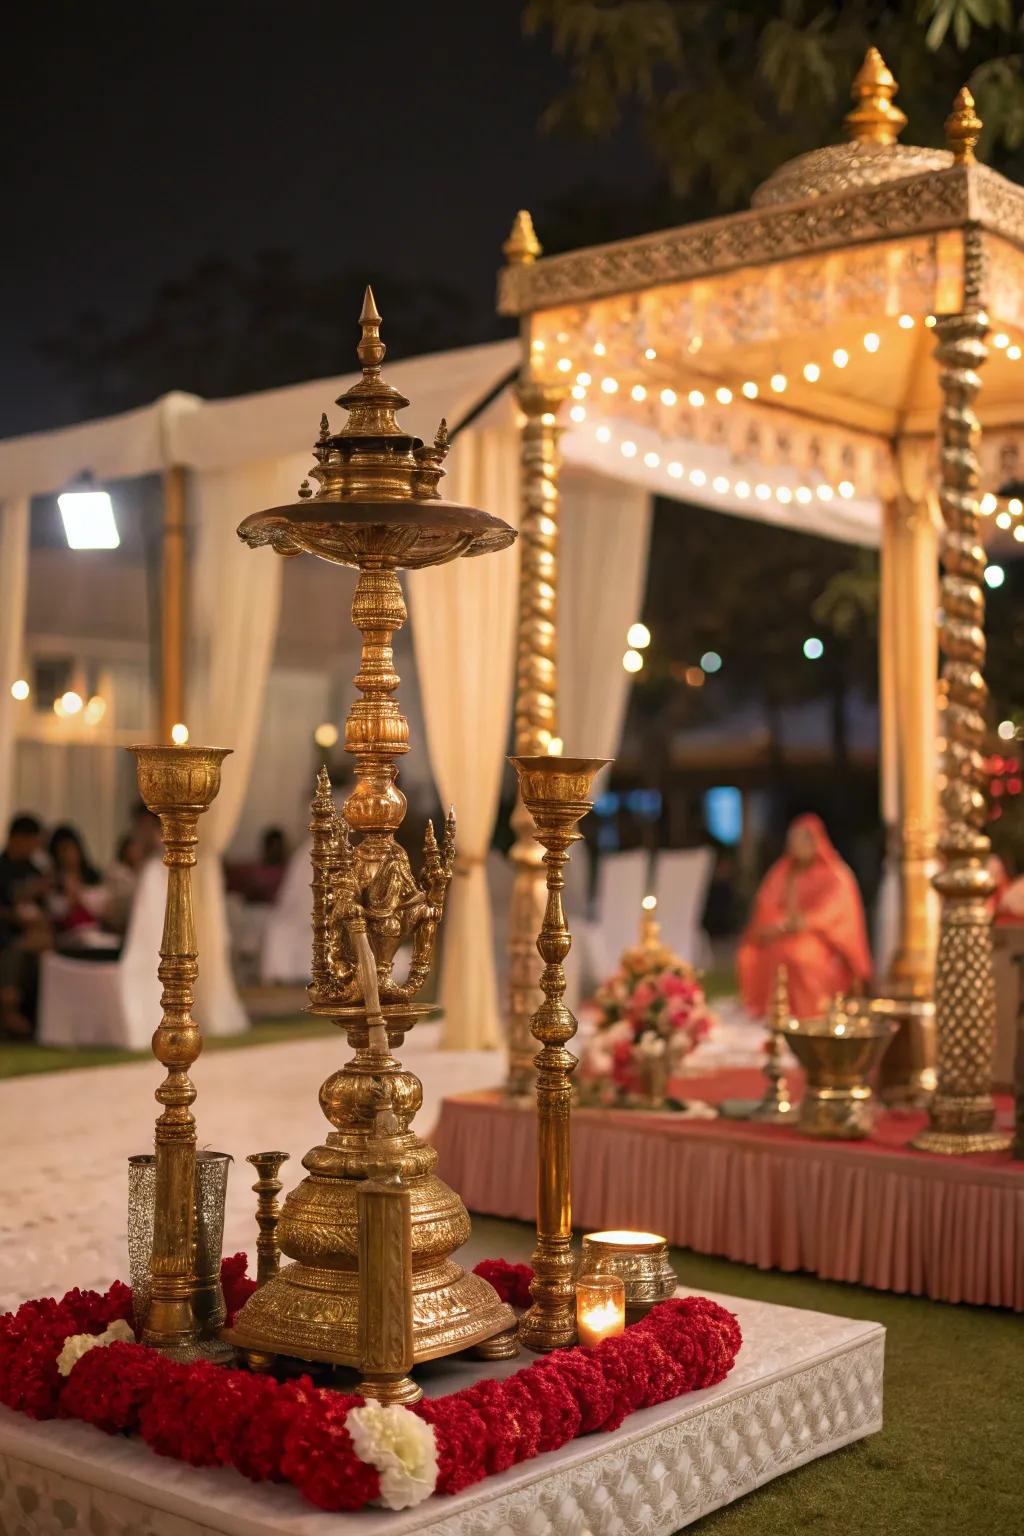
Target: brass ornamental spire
<point x="875" y="119"/>
<point x="522" y="245"/>
<point x="963" y="128"/>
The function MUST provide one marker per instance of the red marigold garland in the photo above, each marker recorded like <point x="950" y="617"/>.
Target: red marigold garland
<point x="296" y="1432"/>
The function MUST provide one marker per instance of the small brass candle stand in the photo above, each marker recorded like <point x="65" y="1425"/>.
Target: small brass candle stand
<point x="176" y="784"/>
<point x="375" y="507"/>
<point x="777" y="1107"/>
<point x="555" y="791"/>
<point x="268" y="1212"/>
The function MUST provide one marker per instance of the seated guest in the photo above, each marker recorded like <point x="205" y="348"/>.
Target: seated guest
<point x="24" y="928"/>
<point x="808" y="916"/>
<point x="77" y="898"/>
<point x="134" y="849"/>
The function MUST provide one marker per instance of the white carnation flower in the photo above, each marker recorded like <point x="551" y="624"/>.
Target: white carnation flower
<point x="78" y="1344"/>
<point x="402" y="1448"/>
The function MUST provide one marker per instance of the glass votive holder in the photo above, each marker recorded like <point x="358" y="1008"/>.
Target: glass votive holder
<point x="600" y="1308"/>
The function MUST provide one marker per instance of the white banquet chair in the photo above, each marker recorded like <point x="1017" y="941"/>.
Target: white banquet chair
<point x="109" y="1003"/>
<point x="286" y="950"/>
<point x="681" y="880"/>
<point x="622" y="884"/>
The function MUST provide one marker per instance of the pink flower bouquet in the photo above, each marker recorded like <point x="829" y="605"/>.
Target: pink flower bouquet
<point x="651" y="1014"/>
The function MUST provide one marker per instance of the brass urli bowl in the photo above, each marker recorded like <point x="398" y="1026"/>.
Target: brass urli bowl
<point x="640" y="1259"/>
<point x="838" y="1054"/>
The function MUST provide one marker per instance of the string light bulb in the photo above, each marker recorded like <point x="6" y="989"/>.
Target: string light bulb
<point x="638" y="636"/>
<point x="628" y="449"/>
<point x="20" y="689"/>
<point x="669" y="397"/>
<point x="179" y="734"/>
<point x="723" y="395"/>
<point x="840" y="357"/>
<point x="632" y="661"/>
<point x="812" y="373"/>
<point x="906" y="322"/>
<point x="695" y="398"/>
<point x="750" y="389"/>
<point x="778" y="382"/>
<point x="872" y="341"/>
<point x="638" y="392"/>
<point x="610" y="386"/>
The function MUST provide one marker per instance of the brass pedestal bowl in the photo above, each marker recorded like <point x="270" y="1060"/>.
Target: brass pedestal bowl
<point x="838" y="1054"/>
<point x="640" y="1259"/>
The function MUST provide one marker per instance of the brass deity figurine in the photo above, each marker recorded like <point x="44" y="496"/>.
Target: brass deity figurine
<point x="377" y="508"/>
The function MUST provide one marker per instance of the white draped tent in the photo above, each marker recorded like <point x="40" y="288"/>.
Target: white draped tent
<point x="244" y="454"/>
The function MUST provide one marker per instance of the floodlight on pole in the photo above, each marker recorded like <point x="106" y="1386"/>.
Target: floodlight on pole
<point x="88" y="516"/>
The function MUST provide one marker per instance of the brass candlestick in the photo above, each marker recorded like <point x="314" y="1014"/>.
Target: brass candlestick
<point x="176" y="784"/>
<point x="777" y="1107"/>
<point x="554" y="791"/>
<point x="268" y="1212"/>
<point x="376" y="507"/>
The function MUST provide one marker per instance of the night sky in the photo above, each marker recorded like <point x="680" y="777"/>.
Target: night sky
<point x="140" y="140"/>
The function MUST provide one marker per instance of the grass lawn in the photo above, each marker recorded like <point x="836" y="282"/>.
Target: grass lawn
<point x="21" y="1058"/>
<point x="950" y="1460"/>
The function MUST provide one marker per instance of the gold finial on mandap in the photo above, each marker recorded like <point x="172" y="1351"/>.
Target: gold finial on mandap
<point x="963" y="128"/>
<point x="875" y="118"/>
<point x="522" y="245"/>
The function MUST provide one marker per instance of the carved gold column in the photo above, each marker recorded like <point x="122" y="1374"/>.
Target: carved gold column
<point x="962" y="1110"/>
<point x="177" y="784"/>
<point x="910" y="547"/>
<point x="536" y="688"/>
<point x="555" y="792"/>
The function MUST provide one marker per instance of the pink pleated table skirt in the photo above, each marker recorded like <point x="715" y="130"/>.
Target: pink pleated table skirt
<point x="874" y="1212"/>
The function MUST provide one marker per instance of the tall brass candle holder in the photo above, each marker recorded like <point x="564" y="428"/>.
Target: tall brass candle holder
<point x="376" y="507"/>
<point x="777" y="1107"/>
<point x="176" y="784"/>
<point x="554" y="791"/>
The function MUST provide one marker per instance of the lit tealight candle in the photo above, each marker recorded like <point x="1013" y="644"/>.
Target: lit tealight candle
<point x="600" y="1308"/>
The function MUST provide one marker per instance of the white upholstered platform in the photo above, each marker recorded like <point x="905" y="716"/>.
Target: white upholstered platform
<point x="804" y="1384"/>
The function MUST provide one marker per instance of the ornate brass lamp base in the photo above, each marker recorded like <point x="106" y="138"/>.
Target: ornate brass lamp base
<point x="310" y="1309"/>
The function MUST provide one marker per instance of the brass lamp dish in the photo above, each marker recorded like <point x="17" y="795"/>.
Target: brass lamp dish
<point x="838" y="1054"/>
<point x="376" y="507"/>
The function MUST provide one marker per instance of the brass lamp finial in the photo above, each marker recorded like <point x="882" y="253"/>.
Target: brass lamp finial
<point x="963" y="128"/>
<point x="371" y="349"/>
<point x="875" y="118"/>
<point x="522" y="245"/>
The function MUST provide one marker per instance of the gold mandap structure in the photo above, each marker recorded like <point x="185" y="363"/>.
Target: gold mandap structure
<point x="812" y="344"/>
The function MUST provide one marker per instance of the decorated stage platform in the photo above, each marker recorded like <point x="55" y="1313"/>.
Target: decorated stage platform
<point x="873" y="1212"/>
<point x="803" y="1384"/>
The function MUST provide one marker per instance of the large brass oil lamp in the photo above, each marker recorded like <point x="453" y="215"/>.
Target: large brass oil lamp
<point x="376" y="507"/>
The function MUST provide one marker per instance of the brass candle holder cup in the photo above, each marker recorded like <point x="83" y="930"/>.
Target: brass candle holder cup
<point x="838" y="1054"/>
<point x="555" y="791"/>
<point x="177" y="784"/>
<point x="600" y="1308"/>
<point x="639" y="1259"/>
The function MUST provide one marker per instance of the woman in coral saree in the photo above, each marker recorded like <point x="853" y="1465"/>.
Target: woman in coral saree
<point x="808" y="916"/>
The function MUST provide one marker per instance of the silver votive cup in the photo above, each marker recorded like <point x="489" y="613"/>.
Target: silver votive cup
<point x="211" y="1194"/>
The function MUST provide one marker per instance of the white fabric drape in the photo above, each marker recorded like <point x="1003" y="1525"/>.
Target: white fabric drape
<point x="14" y="537"/>
<point x="463" y="627"/>
<point x="235" y="596"/>
<point x="602" y="574"/>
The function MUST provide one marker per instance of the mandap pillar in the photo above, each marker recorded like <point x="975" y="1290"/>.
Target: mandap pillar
<point x="534" y="714"/>
<point x="962" y="1112"/>
<point x="535" y="705"/>
<point x="909" y="662"/>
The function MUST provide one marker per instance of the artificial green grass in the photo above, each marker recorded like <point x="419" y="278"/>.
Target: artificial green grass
<point x="950" y="1459"/>
<point x="22" y="1058"/>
